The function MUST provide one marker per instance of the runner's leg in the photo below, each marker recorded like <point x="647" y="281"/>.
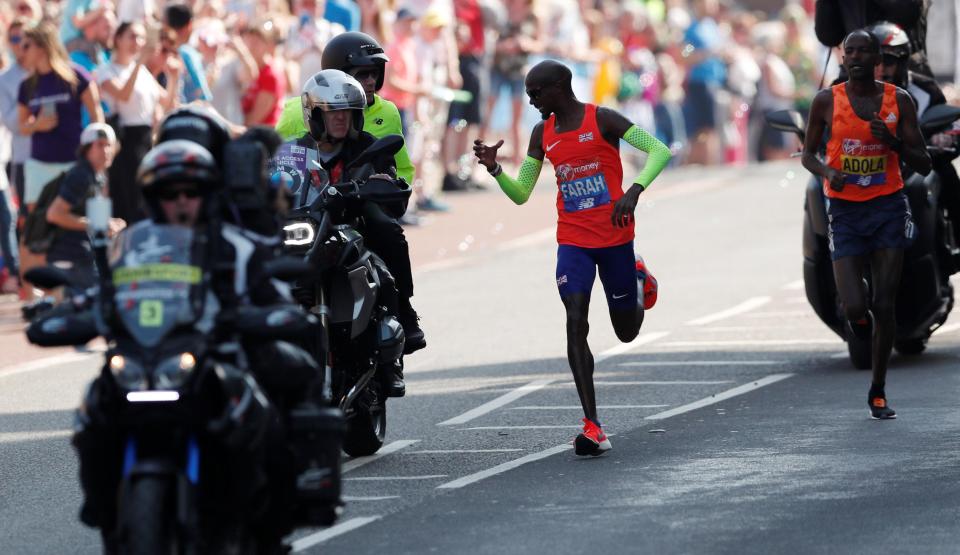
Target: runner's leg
<point x="886" y="265"/>
<point x="576" y="272"/>
<point x="618" y="273"/>
<point x="848" y="274"/>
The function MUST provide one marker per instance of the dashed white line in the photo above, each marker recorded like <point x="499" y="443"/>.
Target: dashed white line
<point x="18" y="437"/>
<point x="722" y="396"/>
<point x="350" y="498"/>
<point x="45" y="363"/>
<point x="641" y="339"/>
<point x="704" y="363"/>
<point x="500" y="401"/>
<point x="745" y="306"/>
<point x="395" y="478"/>
<point x="501" y="468"/>
<point x="781" y="314"/>
<point x="459" y="451"/>
<point x="752" y="343"/>
<point x="561" y="427"/>
<point x="578" y="407"/>
<point x="391" y="447"/>
<point x="661" y="382"/>
<point x="319" y="537"/>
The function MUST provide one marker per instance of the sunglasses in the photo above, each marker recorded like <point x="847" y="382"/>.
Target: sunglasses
<point x="535" y="92"/>
<point x="892" y="60"/>
<point x="174" y="194"/>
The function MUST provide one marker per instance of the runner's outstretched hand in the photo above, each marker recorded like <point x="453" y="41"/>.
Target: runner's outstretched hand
<point x="486" y="155"/>
<point x="623" y="210"/>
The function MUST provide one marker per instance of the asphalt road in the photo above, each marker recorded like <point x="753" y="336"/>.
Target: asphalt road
<point x="737" y="424"/>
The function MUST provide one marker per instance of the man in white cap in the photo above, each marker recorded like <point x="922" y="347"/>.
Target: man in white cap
<point x="71" y="248"/>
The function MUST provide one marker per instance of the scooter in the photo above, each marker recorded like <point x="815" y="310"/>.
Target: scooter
<point x="925" y="297"/>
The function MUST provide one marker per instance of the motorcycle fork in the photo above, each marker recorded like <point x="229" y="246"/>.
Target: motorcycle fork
<point x="322" y="311"/>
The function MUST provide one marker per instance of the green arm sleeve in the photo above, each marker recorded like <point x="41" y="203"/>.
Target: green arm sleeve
<point x="405" y="167"/>
<point x="519" y="189"/>
<point x="658" y="154"/>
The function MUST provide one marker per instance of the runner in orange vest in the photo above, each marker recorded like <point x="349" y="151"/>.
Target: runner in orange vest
<point x="872" y="127"/>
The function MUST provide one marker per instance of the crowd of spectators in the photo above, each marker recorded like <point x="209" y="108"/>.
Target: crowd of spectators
<point x="697" y="73"/>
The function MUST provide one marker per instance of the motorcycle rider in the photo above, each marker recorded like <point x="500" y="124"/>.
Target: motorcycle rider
<point x="926" y="93"/>
<point x="333" y="106"/>
<point x="872" y="126"/>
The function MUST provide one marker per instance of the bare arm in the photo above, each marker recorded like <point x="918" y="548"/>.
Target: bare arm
<point x="262" y="107"/>
<point x="59" y="215"/>
<point x="29" y="124"/>
<point x="119" y="91"/>
<point x="914" y="149"/>
<point x="820" y="112"/>
<point x="91" y="100"/>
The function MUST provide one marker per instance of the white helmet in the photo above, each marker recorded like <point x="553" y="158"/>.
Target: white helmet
<point x="327" y="91"/>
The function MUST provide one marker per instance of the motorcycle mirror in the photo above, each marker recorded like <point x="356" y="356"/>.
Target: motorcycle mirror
<point x="287" y="268"/>
<point x="788" y="121"/>
<point x="938" y="117"/>
<point x="385" y="146"/>
<point x="47" y="277"/>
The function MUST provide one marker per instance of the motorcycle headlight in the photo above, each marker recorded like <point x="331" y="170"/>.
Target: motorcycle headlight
<point x="298" y="234"/>
<point x="172" y="372"/>
<point x="128" y="373"/>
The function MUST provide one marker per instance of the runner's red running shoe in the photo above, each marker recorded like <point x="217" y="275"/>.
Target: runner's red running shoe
<point x="650" y="286"/>
<point x="592" y="441"/>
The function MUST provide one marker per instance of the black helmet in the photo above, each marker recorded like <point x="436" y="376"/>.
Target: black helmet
<point x="893" y="39"/>
<point x="176" y="161"/>
<point x="199" y="125"/>
<point x="347" y="51"/>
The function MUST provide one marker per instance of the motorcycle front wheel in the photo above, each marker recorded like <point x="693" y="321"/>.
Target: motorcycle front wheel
<point x="148" y="525"/>
<point x="367" y="426"/>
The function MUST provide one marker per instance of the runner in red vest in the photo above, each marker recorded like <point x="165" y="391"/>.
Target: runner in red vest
<point x="872" y="128"/>
<point x="595" y="224"/>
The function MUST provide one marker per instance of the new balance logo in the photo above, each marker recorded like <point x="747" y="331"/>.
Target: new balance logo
<point x="550" y="146"/>
<point x="586" y="137"/>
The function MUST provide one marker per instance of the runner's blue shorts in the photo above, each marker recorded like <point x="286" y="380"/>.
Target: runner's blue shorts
<point x="577" y="268"/>
<point x="860" y="228"/>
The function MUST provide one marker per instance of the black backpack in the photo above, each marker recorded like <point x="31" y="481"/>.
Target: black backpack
<point x="38" y="233"/>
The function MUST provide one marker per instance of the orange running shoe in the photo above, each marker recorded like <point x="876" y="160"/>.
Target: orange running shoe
<point x="879" y="410"/>
<point x="592" y="441"/>
<point x="650" y="286"/>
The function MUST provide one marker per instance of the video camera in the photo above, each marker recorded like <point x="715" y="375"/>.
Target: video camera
<point x="246" y="198"/>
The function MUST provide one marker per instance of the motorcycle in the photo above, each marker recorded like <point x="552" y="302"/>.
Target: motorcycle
<point x="172" y="435"/>
<point x="925" y="297"/>
<point x="359" y="337"/>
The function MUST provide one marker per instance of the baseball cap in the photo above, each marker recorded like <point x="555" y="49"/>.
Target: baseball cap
<point x="405" y="13"/>
<point x="96" y="131"/>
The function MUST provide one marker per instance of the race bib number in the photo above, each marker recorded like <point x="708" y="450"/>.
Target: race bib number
<point x="864" y="164"/>
<point x="582" y="186"/>
<point x="151" y="314"/>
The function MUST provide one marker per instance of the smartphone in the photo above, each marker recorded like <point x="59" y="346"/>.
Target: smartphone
<point x="48" y="109"/>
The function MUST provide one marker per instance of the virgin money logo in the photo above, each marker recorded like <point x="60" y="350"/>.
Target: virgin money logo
<point x="567" y="172"/>
<point x="852" y="146"/>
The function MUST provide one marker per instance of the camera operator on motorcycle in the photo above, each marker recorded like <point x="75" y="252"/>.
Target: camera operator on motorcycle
<point x="333" y="105"/>
<point x="926" y="93"/>
<point x="872" y="126"/>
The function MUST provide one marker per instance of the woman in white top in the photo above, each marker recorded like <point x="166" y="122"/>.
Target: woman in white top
<point x="137" y="102"/>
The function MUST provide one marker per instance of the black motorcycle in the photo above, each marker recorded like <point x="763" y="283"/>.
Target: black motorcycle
<point x="359" y="338"/>
<point x="172" y="436"/>
<point x="925" y="297"/>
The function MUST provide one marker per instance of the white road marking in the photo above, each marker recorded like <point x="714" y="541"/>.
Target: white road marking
<point x="391" y="447"/>
<point x="704" y="363"/>
<point x="17" y="437"/>
<point x="317" y="538"/>
<point x="500" y="401"/>
<point x="349" y="498"/>
<point x="752" y="343"/>
<point x="458" y="451"/>
<point x="578" y="407"/>
<point x="794" y="285"/>
<point x="712" y="329"/>
<point x="641" y="339"/>
<point x="949" y="328"/>
<point x="840" y="355"/>
<point x="660" y="382"/>
<point x="392" y="478"/>
<point x="722" y="396"/>
<point x="745" y="306"/>
<point x="45" y="363"/>
<point x="501" y="468"/>
<point x="567" y="427"/>
<point x="781" y="314"/>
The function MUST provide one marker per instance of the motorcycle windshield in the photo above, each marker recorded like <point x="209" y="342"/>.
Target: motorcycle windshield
<point x="153" y="276"/>
<point x="294" y="169"/>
